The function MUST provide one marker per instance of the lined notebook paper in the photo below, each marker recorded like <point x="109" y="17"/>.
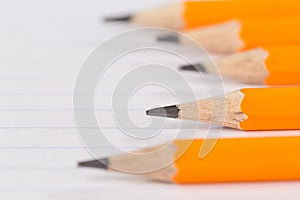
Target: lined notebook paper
<point x="43" y="45"/>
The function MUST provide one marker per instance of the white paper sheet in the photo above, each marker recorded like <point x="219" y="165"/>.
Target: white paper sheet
<point x="42" y="47"/>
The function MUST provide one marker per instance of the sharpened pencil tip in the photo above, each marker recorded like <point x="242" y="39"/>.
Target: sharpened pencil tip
<point x="168" y="38"/>
<point x="197" y="67"/>
<point x="125" y="18"/>
<point x="100" y="164"/>
<point x="169" y="111"/>
<point x="147" y="112"/>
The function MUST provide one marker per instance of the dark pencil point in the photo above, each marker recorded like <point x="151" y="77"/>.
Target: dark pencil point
<point x="168" y="38"/>
<point x="169" y="111"/>
<point x="100" y="164"/>
<point x="197" y="67"/>
<point x="124" y="18"/>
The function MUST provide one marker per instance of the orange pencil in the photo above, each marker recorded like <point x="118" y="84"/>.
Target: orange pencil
<point x="233" y="36"/>
<point x="270" y="65"/>
<point x="231" y="160"/>
<point x="193" y="14"/>
<point x="245" y="109"/>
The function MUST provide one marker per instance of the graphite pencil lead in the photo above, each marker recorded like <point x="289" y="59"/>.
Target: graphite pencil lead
<point x="125" y="18"/>
<point x="169" y="111"/>
<point x="168" y="38"/>
<point x="197" y="67"/>
<point x="100" y="164"/>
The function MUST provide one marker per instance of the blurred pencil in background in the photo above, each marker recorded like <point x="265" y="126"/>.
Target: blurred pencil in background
<point x="233" y="36"/>
<point x="193" y="14"/>
<point x="231" y="160"/>
<point x="270" y="65"/>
